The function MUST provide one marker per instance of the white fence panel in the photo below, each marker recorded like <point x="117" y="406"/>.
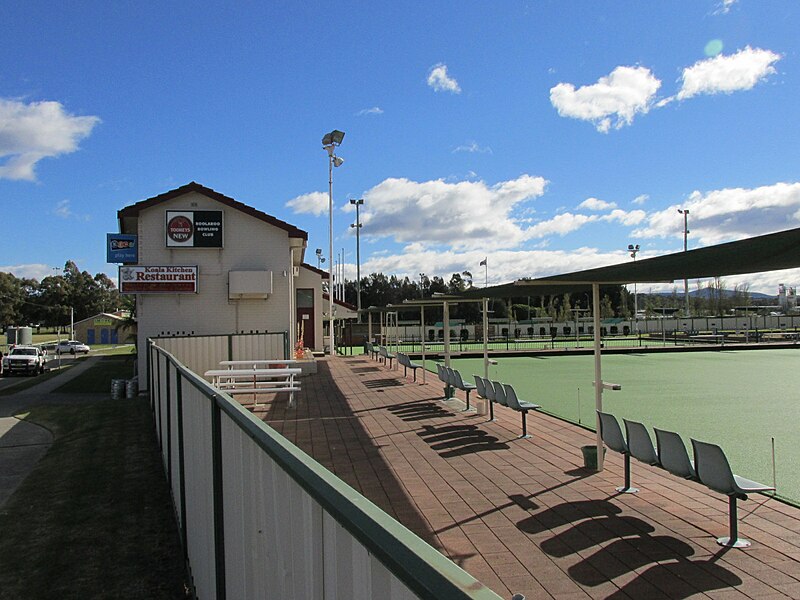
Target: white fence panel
<point x="352" y="572"/>
<point x="258" y="347"/>
<point x="198" y="463"/>
<point x="197" y="353"/>
<point x="174" y="445"/>
<point x="273" y="528"/>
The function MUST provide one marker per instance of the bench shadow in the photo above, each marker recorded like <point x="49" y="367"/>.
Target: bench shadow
<point x="418" y="410"/>
<point x="457" y="440"/>
<point x="381" y="383"/>
<point x="682" y="579"/>
<point x="365" y="369"/>
<point x="625" y="544"/>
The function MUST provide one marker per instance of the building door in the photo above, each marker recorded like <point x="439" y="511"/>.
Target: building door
<point x="90" y="336"/>
<point x="104" y="335"/>
<point x="305" y="317"/>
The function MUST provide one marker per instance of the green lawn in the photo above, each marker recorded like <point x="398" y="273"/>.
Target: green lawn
<point x="94" y="519"/>
<point x="98" y="378"/>
<point x="739" y="400"/>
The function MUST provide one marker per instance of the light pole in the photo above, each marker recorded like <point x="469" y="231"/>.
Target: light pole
<point x="357" y="225"/>
<point x="329" y="143"/>
<point x="634" y="250"/>
<point x="685" y="213"/>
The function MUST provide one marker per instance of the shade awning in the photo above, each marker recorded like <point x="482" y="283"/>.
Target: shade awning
<point x="770" y="252"/>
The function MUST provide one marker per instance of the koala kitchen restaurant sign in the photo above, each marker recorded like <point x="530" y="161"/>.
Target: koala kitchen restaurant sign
<point x="194" y="229"/>
<point x="158" y="280"/>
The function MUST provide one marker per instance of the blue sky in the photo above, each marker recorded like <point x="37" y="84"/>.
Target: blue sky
<point x="546" y="136"/>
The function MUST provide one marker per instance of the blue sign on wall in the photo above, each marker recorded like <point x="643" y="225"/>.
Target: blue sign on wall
<point x="122" y="248"/>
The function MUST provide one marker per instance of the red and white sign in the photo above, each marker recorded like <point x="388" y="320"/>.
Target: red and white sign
<point x="158" y="280"/>
<point x="180" y="229"/>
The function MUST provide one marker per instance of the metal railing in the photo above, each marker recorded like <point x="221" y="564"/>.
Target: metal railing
<point x="259" y="518"/>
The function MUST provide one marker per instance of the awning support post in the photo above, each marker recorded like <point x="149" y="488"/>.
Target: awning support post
<point x="598" y="388"/>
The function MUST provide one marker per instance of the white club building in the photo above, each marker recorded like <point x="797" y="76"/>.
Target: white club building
<point x="208" y="264"/>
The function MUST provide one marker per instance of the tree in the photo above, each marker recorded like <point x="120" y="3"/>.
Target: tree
<point x="12" y="298"/>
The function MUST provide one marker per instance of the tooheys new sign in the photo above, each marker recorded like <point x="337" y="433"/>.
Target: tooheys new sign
<point x="194" y="229"/>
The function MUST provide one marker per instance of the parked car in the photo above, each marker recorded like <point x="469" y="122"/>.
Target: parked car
<point x="71" y="347"/>
<point x="24" y="359"/>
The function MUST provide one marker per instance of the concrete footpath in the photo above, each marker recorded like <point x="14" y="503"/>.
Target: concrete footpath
<point x="22" y="444"/>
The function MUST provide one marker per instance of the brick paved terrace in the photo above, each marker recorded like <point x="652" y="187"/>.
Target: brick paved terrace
<point x="522" y="515"/>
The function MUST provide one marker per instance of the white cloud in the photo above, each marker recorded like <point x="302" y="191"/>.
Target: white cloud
<point x="724" y="7"/>
<point x="440" y="81"/>
<point x="313" y="203"/>
<point x="727" y="74"/>
<point x="504" y="265"/>
<point x="729" y="214"/>
<point x="375" y="110"/>
<point x="473" y="147"/>
<point x="461" y="215"/>
<point x="31" y="132"/>
<point x="62" y="209"/>
<point x="612" y="101"/>
<point x="559" y="225"/>
<point x="36" y="271"/>
<point x="596" y="204"/>
<point x="641" y="199"/>
<point x="629" y="218"/>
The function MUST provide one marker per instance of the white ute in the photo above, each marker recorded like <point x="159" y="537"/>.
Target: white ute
<point x="24" y="359"/>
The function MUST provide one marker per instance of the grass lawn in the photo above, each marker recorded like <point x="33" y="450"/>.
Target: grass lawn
<point x="98" y="378"/>
<point x="94" y="518"/>
<point x="24" y="383"/>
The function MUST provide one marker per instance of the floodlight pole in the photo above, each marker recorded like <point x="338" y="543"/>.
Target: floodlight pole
<point x="331" y="289"/>
<point x="634" y="250"/>
<point x="358" y="202"/>
<point x="329" y="143"/>
<point x="685" y="213"/>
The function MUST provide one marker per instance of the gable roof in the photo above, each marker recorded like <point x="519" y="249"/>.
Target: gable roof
<point x="313" y="269"/>
<point x="133" y="210"/>
<point x="341" y="303"/>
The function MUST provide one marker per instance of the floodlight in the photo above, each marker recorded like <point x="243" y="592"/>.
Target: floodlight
<point x="338" y="161"/>
<point x="337" y="137"/>
<point x="334" y="138"/>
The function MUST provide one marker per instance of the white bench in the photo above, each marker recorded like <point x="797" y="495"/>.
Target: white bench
<point x="256" y="381"/>
<point x="255" y="364"/>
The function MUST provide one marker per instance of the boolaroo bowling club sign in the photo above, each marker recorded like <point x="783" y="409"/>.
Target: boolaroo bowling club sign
<point x="194" y="228"/>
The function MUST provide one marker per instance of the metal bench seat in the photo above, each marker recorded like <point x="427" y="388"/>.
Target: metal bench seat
<point x="513" y="402"/>
<point x="714" y="471"/>
<point x="640" y="444"/>
<point x="611" y="434"/>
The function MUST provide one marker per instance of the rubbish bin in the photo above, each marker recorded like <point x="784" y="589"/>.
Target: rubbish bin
<point x="117" y="389"/>
<point x="481" y="406"/>
<point x="590" y="457"/>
